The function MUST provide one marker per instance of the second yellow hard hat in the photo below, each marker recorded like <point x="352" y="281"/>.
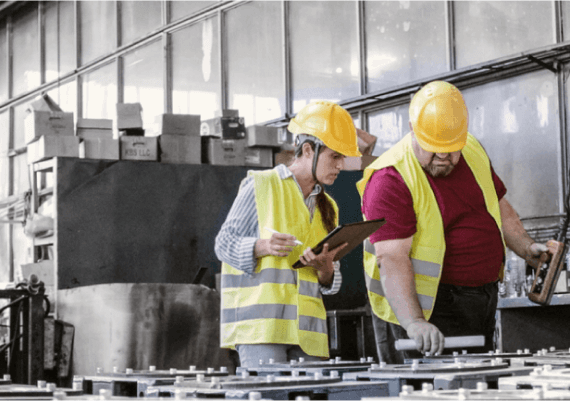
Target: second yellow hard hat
<point x="330" y="123"/>
<point x="439" y="117"/>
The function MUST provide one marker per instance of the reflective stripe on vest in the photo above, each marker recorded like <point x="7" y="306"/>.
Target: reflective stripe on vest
<point x="276" y="276"/>
<point x="310" y="323"/>
<point x="265" y="311"/>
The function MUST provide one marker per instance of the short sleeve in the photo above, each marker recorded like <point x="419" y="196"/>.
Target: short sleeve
<point x="387" y="196"/>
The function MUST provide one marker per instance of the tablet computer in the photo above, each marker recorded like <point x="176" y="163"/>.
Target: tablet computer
<point x="352" y="233"/>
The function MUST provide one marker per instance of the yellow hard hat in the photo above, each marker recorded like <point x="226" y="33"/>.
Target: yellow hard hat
<point x="439" y="118"/>
<point x="330" y="123"/>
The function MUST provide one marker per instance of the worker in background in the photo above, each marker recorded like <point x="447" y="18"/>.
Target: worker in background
<point x="270" y="310"/>
<point x="432" y="270"/>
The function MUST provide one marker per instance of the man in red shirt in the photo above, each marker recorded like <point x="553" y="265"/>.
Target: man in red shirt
<point x="434" y="266"/>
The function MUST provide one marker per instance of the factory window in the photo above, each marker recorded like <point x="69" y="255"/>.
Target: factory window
<point x="59" y="39"/>
<point x="517" y="122"/>
<point x="3" y="61"/>
<point x="21" y="174"/>
<point x="144" y="80"/>
<point x="405" y="41"/>
<point x="65" y="95"/>
<point x="98" y="21"/>
<point x="255" y="62"/>
<point x="196" y="87"/>
<point x="325" y="60"/>
<point x="4" y="147"/>
<point x="100" y="92"/>
<point x="138" y="18"/>
<point x="179" y="9"/>
<point x="389" y="125"/>
<point x="486" y="30"/>
<point x="25" y="51"/>
<point x="19" y="115"/>
<point x="5" y="253"/>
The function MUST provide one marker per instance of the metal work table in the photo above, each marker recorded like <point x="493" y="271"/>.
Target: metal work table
<point x="523" y="324"/>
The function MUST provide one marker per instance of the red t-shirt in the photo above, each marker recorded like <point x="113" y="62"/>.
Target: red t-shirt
<point x="474" y="250"/>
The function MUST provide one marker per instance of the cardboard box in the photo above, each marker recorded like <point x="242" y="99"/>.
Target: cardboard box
<point x="99" y="148"/>
<point x="178" y="124"/>
<point x="139" y="148"/>
<point x="263" y="136"/>
<point x="224" y="128"/>
<point x="259" y="157"/>
<point x="223" y="152"/>
<point x="366" y="141"/>
<point x="358" y="163"/>
<point x="48" y="146"/>
<point x="129" y="115"/>
<point x="45" y="117"/>
<point x="94" y="128"/>
<point x="181" y="149"/>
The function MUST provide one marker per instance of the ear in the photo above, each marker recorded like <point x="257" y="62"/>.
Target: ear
<point x="307" y="150"/>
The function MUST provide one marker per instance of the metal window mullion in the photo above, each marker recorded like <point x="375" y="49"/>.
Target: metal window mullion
<point x="450" y="35"/>
<point x="564" y="180"/>
<point x="557" y="19"/>
<point x="41" y="10"/>
<point x="287" y="60"/>
<point x="165" y="8"/>
<point x="362" y="47"/>
<point x="78" y="77"/>
<point x="78" y="35"/>
<point x="119" y="22"/>
<point x="10" y="53"/>
<point x="167" y="72"/>
<point x="119" y="65"/>
<point x="223" y="61"/>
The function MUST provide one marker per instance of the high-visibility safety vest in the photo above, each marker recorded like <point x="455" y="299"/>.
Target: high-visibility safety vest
<point x="428" y="245"/>
<point x="277" y="304"/>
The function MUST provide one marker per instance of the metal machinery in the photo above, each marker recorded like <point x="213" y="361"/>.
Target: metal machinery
<point x="304" y="368"/>
<point x="445" y="375"/>
<point x="133" y="383"/>
<point x="244" y="386"/>
<point x="24" y="348"/>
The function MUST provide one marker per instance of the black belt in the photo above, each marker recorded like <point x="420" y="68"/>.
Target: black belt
<point x="481" y="288"/>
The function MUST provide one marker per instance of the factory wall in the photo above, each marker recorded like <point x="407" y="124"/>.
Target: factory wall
<point x="269" y="59"/>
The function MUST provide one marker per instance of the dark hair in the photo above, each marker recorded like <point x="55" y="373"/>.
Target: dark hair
<point x="328" y="213"/>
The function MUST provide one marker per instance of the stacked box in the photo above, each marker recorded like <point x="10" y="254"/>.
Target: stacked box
<point x="180" y="149"/>
<point x="48" y="146"/>
<point x="139" y="148"/>
<point x="129" y="115"/>
<point x="99" y="148"/>
<point x="45" y="117"/>
<point x="227" y="126"/>
<point x="178" y="124"/>
<point x="263" y="136"/>
<point x="223" y="152"/>
<point x="91" y="128"/>
<point x="259" y="157"/>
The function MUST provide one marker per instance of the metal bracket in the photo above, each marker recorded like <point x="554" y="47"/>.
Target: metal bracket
<point x="552" y="67"/>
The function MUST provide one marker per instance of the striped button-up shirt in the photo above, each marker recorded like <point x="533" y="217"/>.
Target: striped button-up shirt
<point x="236" y="240"/>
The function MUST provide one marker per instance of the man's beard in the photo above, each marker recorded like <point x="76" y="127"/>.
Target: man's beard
<point x="438" y="171"/>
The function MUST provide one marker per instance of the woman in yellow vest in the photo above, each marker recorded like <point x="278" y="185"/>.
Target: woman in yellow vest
<point x="433" y="270"/>
<point x="269" y="310"/>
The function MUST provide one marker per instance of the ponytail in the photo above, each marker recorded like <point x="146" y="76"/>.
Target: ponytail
<point x="328" y="213"/>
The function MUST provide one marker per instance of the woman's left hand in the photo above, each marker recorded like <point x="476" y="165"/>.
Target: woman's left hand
<point x="323" y="262"/>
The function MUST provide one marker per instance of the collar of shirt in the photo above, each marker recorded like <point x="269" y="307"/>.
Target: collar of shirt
<point x="311" y="200"/>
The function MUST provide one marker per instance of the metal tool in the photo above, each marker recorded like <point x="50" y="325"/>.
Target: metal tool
<point x="450" y="342"/>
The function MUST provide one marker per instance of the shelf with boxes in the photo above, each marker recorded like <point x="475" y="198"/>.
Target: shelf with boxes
<point x="173" y="138"/>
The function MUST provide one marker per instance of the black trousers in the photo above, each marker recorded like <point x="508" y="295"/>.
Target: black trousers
<point x="458" y="311"/>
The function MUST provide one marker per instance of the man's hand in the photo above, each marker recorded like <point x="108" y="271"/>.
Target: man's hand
<point x="277" y="245"/>
<point x="428" y="337"/>
<point x="534" y="252"/>
<point x="323" y="262"/>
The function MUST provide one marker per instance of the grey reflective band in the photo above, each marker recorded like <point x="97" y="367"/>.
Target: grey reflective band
<point x="368" y="247"/>
<point x="309" y="289"/>
<point x="310" y="323"/>
<point x="426" y="302"/>
<point x="265" y="311"/>
<point x="430" y="269"/>
<point x="276" y="276"/>
<point x="374" y="285"/>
